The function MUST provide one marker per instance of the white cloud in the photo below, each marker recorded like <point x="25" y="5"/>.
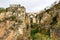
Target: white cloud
<point x="31" y="5"/>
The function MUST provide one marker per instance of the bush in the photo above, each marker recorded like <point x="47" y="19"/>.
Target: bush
<point x="13" y="17"/>
<point x="2" y="10"/>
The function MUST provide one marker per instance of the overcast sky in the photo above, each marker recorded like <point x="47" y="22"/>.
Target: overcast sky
<point x="30" y="5"/>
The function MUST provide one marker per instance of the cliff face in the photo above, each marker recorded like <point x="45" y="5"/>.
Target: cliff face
<point x="12" y="22"/>
<point x="16" y="24"/>
<point x="50" y="20"/>
<point x="47" y="23"/>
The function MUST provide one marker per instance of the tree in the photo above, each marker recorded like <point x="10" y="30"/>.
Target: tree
<point x="38" y="36"/>
<point x="2" y="10"/>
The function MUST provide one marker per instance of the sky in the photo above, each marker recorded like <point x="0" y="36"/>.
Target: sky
<point x="30" y="5"/>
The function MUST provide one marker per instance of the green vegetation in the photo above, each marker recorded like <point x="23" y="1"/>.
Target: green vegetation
<point x="13" y="17"/>
<point x="33" y="32"/>
<point x="36" y="33"/>
<point x="2" y="10"/>
<point x="20" y="21"/>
